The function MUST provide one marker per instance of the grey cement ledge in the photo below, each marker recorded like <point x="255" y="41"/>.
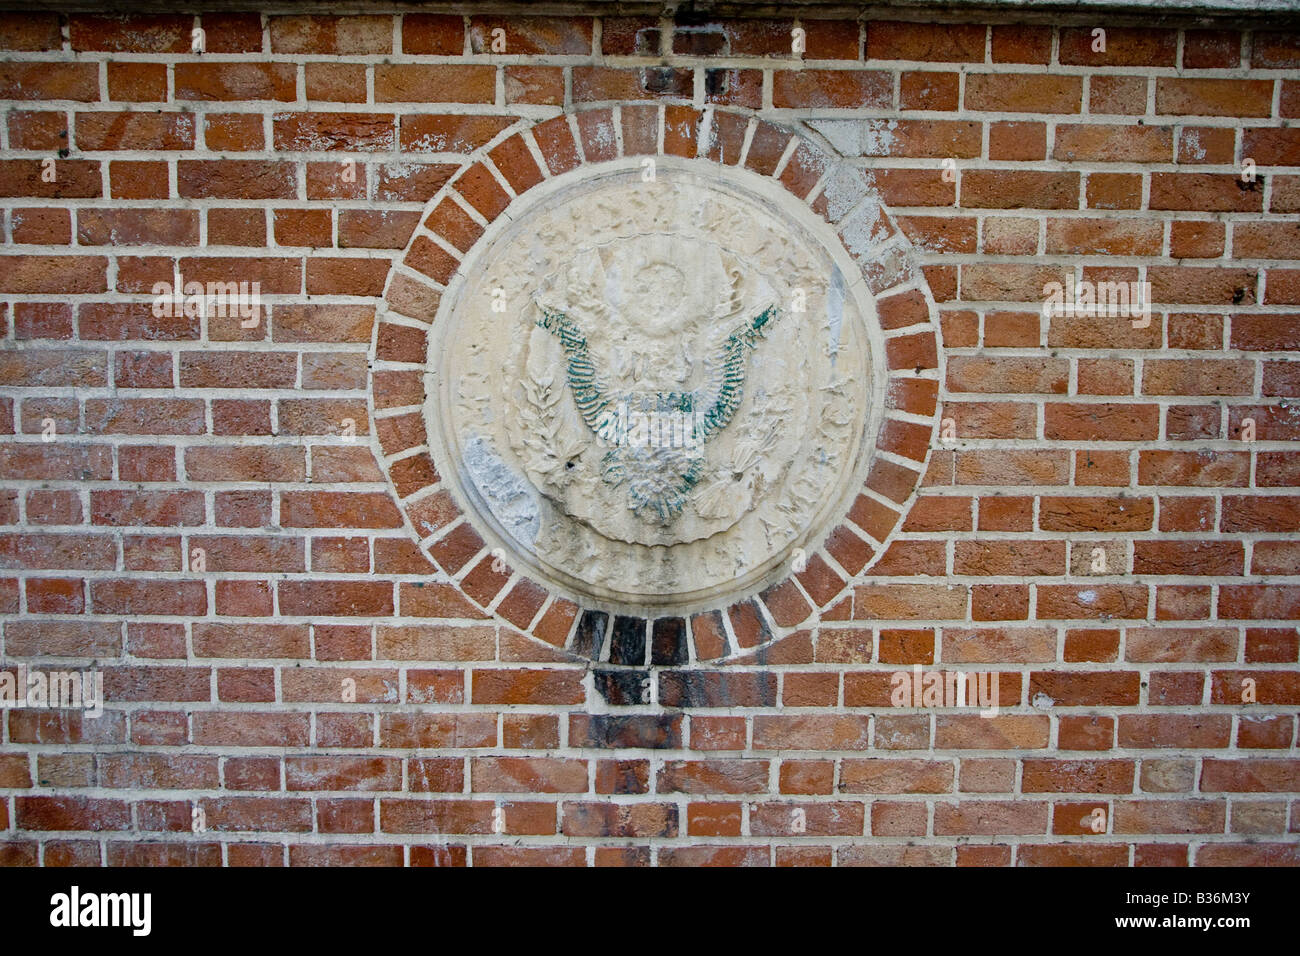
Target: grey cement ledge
<point x="1257" y="13"/>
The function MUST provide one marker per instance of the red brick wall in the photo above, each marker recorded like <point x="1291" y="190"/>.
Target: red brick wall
<point x="181" y="503"/>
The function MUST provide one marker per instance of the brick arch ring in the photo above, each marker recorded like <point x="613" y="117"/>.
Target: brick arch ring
<point x="460" y="215"/>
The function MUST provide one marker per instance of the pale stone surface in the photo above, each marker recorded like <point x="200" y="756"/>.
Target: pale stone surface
<point x="652" y="391"/>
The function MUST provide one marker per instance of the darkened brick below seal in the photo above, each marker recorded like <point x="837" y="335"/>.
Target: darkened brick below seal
<point x="668" y="641"/>
<point x="590" y="636"/>
<point x="717" y="689"/>
<point x="621" y="688"/>
<point x="654" y="731"/>
<point x="627" y="645"/>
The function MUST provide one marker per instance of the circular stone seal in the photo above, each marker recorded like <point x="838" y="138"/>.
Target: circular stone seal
<point x="650" y="390"/>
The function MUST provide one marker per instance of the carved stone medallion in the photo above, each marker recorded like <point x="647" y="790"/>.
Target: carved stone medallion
<point x="650" y="390"/>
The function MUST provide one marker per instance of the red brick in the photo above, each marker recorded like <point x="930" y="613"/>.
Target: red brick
<point x="1124" y="47"/>
<point x="30" y="31"/>
<point x="411" y="83"/>
<point x="1203" y="97"/>
<point x="531" y="35"/>
<point x="27" y="80"/>
<point x="236" y="82"/>
<point x="433" y="34"/>
<point x="847" y="89"/>
<point x="1022" y="44"/>
<point x="951" y="43"/>
<point x="331" y="34"/>
<point x="1023" y="93"/>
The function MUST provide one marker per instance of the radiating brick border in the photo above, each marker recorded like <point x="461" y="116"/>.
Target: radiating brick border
<point x="482" y="190"/>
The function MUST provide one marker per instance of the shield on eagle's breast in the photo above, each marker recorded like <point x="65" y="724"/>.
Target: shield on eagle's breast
<point x="668" y="390"/>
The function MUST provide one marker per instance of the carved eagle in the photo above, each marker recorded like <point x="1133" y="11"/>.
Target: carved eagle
<point x="659" y="478"/>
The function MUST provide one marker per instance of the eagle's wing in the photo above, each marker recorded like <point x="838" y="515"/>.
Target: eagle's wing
<point x="718" y="403"/>
<point x="596" y="410"/>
